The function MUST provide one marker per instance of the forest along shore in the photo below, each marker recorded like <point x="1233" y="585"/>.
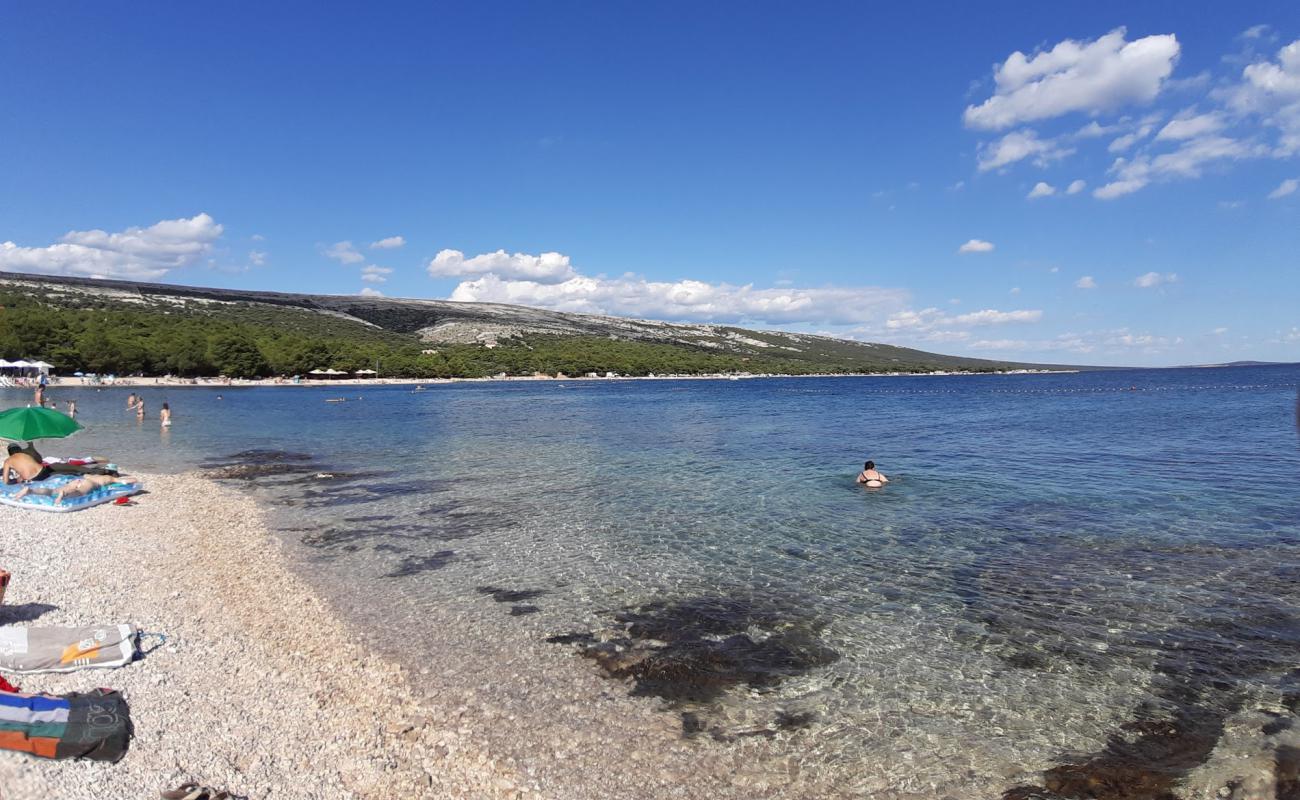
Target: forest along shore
<point x="258" y="690"/>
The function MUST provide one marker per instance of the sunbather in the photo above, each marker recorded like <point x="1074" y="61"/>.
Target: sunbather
<point x="19" y="467"/>
<point x="78" y="488"/>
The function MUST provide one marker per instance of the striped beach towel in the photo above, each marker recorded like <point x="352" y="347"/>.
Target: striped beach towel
<point x="95" y="725"/>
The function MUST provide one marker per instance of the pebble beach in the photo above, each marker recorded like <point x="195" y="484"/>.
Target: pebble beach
<point x="257" y="689"/>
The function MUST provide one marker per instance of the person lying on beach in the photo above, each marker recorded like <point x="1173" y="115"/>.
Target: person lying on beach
<point x="871" y="477"/>
<point x="78" y="488"/>
<point x="22" y="468"/>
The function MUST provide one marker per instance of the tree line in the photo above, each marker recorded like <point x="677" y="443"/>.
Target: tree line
<point x="150" y="341"/>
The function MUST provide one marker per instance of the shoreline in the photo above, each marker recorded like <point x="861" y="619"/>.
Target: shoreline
<point x="261" y="688"/>
<point x="241" y="383"/>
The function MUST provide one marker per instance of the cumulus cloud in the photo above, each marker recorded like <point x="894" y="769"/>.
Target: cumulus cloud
<point x="343" y="252"/>
<point x="1271" y="90"/>
<point x="1188" y="161"/>
<point x="1189" y="126"/>
<point x="390" y="243"/>
<point x="1075" y="76"/>
<point x="976" y="246"/>
<point x="1019" y="145"/>
<point x="690" y="300"/>
<point x="1041" y="189"/>
<point x="369" y="292"/>
<point x="134" y="253"/>
<point x="931" y="318"/>
<point x="543" y="269"/>
<point x="374" y="274"/>
<point x="1284" y="188"/>
<point x="1086" y="282"/>
<point x="256" y="257"/>
<point x="1153" y="279"/>
<point x="1076" y="186"/>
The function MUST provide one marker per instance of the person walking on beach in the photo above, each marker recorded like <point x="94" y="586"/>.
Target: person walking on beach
<point x="871" y="477"/>
<point x="165" y="414"/>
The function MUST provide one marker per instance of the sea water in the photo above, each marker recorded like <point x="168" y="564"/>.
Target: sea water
<point x="1097" y="569"/>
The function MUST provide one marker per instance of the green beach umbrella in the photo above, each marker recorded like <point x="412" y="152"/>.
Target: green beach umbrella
<point x="25" y="424"/>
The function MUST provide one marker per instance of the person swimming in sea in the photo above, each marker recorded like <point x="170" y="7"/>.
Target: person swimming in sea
<point x="871" y="477"/>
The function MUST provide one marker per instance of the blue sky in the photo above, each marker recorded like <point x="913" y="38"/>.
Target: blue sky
<point x="843" y="168"/>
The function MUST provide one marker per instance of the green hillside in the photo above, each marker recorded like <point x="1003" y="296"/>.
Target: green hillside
<point x="128" y="328"/>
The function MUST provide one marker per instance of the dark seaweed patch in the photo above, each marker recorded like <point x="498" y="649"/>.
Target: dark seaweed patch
<point x="690" y="652"/>
<point x="519" y="611"/>
<point x="510" y="595"/>
<point x="414" y="565"/>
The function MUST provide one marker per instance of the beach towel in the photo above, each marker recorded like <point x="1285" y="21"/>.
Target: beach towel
<point x="26" y="650"/>
<point x="42" y="502"/>
<point x="95" y="725"/>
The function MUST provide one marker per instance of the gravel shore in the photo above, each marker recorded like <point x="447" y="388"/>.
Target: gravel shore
<point x="259" y="689"/>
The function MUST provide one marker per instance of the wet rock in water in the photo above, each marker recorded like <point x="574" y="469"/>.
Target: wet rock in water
<point x="510" y="595"/>
<point x="691" y="652"/>
<point x="519" y="611"/>
<point x="413" y="565"/>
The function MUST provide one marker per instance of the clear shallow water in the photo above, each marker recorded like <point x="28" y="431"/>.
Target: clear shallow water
<point x="1098" y="570"/>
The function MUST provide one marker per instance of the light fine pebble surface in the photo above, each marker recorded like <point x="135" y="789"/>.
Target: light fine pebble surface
<point x="259" y="689"/>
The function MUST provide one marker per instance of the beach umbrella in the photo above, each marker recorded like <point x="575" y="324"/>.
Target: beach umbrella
<point x="25" y="424"/>
<point x="366" y="372"/>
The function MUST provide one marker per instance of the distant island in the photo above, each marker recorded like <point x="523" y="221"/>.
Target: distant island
<point x="129" y="328"/>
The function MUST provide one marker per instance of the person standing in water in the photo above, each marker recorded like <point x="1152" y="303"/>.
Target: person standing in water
<point x="871" y="477"/>
<point x="165" y="414"/>
<point x="130" y="402"/>
<point x="72" y="409"/>
<point x="139" y="408"/>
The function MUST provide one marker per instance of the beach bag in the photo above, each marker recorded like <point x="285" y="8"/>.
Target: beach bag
<point x="95" y="725"/>
<point x="25" y="650"/>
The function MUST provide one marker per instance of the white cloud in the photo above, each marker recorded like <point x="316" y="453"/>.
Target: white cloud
<point x="1074" y="76"/>
<point x="1219" y="331"/>
<point x="1019" y="145"/>
<point x="1188" y="161"/>
<point x="690" y="300"/>
<point x="1254" y="32"/>
<point x="930" y="319"/>
<point x="256" y="257"/>
<point x="1041" y="189"/>
<point x="343" y="252"/>
<point x="1076" y="186"/>
<point x="1284" y="188"/>
<point x="390" y="243"/>
<point x="1093" y="129"/>
<point x="134" y="254"/>
<point x="1015" y="290"/>
<point x="544" y="268"/>
<point x="1153" y="279"/>
<point x="257" y="237"/>
<point x="1189" y="126"/>
<point x="1271" y="90"/>
<point x="976" y="246"/>
<point x="369" y="292"/>
<point x="374" y="274"/>
<point x="1086" y="282"/>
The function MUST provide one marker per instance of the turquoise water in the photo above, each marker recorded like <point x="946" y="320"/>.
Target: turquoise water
<point x="1098" y="569"/>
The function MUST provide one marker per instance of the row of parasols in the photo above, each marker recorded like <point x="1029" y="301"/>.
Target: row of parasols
<point x="338" y="372"/>
<point x="26" y="366"/>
